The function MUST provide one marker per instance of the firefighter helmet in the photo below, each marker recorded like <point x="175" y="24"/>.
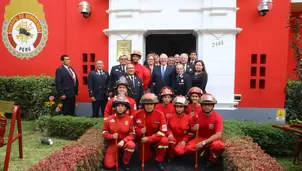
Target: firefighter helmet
<point x="180" y="101"/>
<point x="166" y="91"/>
<point x="208" y="99"/>
<point x="120" y="99"/>
<point x="122" y="81"/>
<point x="149" y="98"/>
<point x="196" y="90"/>
<point x="136" y="52"/>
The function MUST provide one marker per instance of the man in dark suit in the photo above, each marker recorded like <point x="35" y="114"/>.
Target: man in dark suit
<point x="116" y="72"/>
<point x="67" y="85"/>
<point x="135" y="84"/>
<point x="183" y="81"/>
<point x="161" y="76"/>
<point x="184" y="60"/>
<point x="97" y="88"/>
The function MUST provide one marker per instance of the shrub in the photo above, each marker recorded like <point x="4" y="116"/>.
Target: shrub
<point x="272" y="140"/>
<point x="242" y="154"/>
<point x="231" y="129"/>
<point x="85" y="154"/>
<point x="69" y="127"/>
<point x="29" y="92"/>
<point x="293" y="102"/>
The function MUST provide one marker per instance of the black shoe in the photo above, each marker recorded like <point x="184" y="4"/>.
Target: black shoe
<point x="210" y="164"/>
<point x="160" y="166"/>
<point x="126" y="167"/>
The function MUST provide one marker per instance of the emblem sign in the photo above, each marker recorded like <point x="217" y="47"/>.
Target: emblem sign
<point x="24" y="29"/>
<point x="211" y="126"/>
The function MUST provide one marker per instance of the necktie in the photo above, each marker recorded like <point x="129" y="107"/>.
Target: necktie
<point x="162" y="72"/>
<point x="133" y="81"/>
<point x="72" y="76"/>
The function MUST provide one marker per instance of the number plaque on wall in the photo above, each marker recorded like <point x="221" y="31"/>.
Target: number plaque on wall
<point x="123" y="48"/>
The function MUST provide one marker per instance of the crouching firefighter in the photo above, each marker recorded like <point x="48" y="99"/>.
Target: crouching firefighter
<point x="151" y="129"/>
<point x="118" y="130"/>
<point x="178" y="128"/>
<point x="209" y="127"/>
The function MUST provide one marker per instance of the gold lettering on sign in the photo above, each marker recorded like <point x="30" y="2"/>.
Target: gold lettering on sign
<point x="123" y="48"/>
<point x="218" y="43"/>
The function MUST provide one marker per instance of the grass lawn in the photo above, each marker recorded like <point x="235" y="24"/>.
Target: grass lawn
<point x="287" y="164"/>
<point x="33" y="150"/>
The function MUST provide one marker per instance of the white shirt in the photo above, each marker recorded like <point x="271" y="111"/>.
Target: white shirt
<point x="71" y="70"/>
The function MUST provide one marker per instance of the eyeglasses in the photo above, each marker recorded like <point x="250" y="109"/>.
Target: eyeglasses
<point x="123" y="59"/>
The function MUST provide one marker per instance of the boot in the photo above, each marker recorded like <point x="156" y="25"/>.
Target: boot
<point x="126" y="167"/>
<point x="160" y="166"/>
<point x="210" y="164"/>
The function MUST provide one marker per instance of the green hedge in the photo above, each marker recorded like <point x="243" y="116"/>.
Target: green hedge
<point x="293" y="103"/>
<point x="29" y="92"/>
<point x="272" y="140"/>
<point x="67" y="126"/>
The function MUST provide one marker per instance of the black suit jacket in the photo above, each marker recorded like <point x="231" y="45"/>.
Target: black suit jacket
<point x="115" y="73"/>
<point x="182" y="84"/>
<point x="64" y="82"/>
<point x="98" y="84"/>
<point x="157" y="83"/>
<point x="135" y="92"/>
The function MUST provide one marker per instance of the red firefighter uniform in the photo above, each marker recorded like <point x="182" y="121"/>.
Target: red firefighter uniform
<point x="144" y="74"/>
<point x="165" y="109"/>
<point x="208" y="126"/>
<point x="193" y="111"/>
<point x="179" y="127"/>
<point x="109" y="110"/>
<point x="124" y="127"/>
<point x="156" y="130"/>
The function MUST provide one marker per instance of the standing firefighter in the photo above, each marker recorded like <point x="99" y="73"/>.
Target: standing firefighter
<point x="209" y="125"/>
<point x="166" y="95"/>
<point x="119" y="131"/>
<point x="122" y="87"/>
<point x="178" y="128"/>
<point x="151" y="129"/>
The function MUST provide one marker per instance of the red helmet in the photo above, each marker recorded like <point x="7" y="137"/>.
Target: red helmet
<point x="180" y="101"/>
<point x="120" y="99"/>
<point x="196" y="90"/>
<point x="149" y="98"/>
<point x="208" y="99"/>
<point x="166" y="91"/>
<point x="136" y="52"/>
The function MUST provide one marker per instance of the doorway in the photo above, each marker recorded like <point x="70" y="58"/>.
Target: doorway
<point x="170" y="44"/>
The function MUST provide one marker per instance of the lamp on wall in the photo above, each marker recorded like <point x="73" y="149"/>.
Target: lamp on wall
<point x="264" y="6"/>
<point x="84" y="8"/>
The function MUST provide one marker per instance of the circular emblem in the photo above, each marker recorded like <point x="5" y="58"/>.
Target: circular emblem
<point x="211" y="126"/>
<point x="25" y="35"/>
<point x="126" y="123"/>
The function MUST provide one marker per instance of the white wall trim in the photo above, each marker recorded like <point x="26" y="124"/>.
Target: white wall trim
<point x="109" y="32"/>
<point x="207" y="9"/>
<point x="218" y="13"/>
<point x="219" y="30"/>
<point x="109" y="11"/>
<point x="123" y="15"/>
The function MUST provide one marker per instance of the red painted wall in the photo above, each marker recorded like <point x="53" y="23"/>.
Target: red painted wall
<point x="291" y="63"/>
<point x="262" y="35"/>
<point x="69" y="33"/>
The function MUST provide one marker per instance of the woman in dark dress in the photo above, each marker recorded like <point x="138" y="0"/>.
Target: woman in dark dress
<point x="200" y="76"/>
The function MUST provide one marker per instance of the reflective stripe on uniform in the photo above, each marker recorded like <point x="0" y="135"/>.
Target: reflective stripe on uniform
<point x="104" y="132"/>
<point x="130" y="150"/>
<point x="160" y="133"/>
<point x="190" y="133"/>
<point x="162" y="146"/>
<point x="105" y="119"/>
<point x="172" y="142"/>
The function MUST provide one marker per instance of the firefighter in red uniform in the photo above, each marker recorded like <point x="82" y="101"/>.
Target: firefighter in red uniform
<point x="122" y="87"/>
<point x="178" y="128"/>
<point x="141" y="71"/>
<point x="151" y="129"/>
<point x="119" y="131"/>
<point x="166" y="95"/>
<point x="210" y="126"/>
<point x="194" y="107"/>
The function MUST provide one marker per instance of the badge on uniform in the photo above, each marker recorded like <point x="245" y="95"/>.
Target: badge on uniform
<point x="211" y="126"/>
<point x="138" y="121"/>
<point x="164" y="127"/>
<point x="116" y="69"/>
<point x="112" y="120"/>
<point x="126" y="123"/>
<point x="156" y="122"/>
<point x="182" y="80"/>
